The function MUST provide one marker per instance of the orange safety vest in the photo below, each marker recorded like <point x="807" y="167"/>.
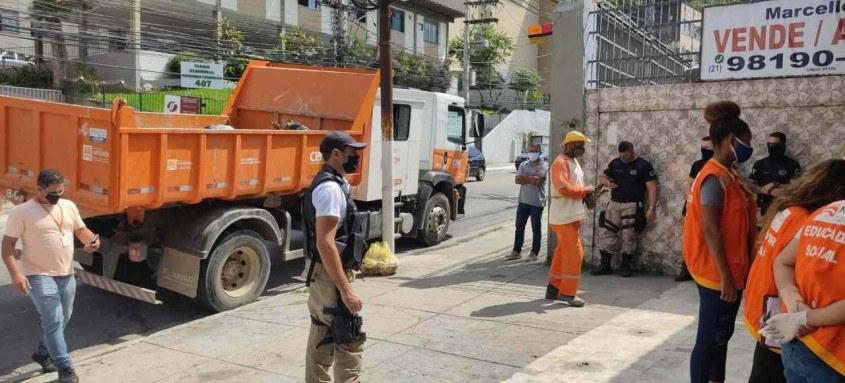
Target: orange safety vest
<point x="738" y="227"/>
<point x="820" y="276"/>
<point x="761" y="279"/>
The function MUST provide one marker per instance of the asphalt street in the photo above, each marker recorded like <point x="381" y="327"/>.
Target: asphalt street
<point x="101" y="319"/>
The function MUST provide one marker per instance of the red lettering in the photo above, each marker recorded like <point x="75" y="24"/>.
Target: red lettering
<point x="796" y="35"/>
<point x="721" y="41"/>
<point x="758" y="38"/>
<point x="739" y="37"/>
<point x="777" y="36"/>
<point x="839" y="35"/>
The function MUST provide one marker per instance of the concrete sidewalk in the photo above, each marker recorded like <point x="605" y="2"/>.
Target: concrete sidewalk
<point x="454" y="314"/>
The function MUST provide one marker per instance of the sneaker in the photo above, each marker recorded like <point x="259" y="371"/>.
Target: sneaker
<point x="46" y="363"/>
<point x="68" y="375"/>
<point x="513" y="256"/>
<point x="531" y="257"/>
<point x="572" y="301"/>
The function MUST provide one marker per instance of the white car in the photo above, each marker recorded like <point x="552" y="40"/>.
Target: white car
<point x="14" y="60"/>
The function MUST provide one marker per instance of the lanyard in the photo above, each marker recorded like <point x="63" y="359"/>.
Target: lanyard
<point x="58" y="223"/>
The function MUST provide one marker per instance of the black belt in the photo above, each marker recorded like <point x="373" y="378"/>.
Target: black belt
<point x="613" y="200"/>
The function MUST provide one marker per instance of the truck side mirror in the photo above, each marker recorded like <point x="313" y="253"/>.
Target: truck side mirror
<point x="478" y="125"/>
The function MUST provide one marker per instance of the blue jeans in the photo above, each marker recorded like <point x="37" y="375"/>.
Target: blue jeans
<point x="523" y="212"/>
<point x="716" y="321"/>
<point x="801" y="365"/>
<point x="53" y="298"/>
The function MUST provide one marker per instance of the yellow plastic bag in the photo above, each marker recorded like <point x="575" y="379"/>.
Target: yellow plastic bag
<point x="379" y="260"/>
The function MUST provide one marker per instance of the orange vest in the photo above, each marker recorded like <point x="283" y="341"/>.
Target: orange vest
<point x="738" y="227"/>
<point x="820" y="276"/>
<point x="761" y="278"/>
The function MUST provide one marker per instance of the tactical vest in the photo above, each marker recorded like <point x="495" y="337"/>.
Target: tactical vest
<point x="349" y="241"/>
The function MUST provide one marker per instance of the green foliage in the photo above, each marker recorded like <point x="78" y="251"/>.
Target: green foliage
<point x="414" y="71"/>
<point x="526" y="80"/>
<point x="299" y="46"/>
<point x="484" y="60"/>
<point x="358" y="53"/>
<point x="175" y="63"/>
<point x="28" y="76"/>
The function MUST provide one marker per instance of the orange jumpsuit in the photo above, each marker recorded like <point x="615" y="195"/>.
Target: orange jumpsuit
<point x="565" y="216"/>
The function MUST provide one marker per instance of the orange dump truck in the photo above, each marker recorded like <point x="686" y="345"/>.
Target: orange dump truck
<point x="199" y="204"/>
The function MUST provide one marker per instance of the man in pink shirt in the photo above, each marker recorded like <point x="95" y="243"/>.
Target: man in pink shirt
<point x="47" y="225"/>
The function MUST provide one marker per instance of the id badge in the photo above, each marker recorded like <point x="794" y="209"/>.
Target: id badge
<point x="65" y="241"/>
<point x="771" y="307"/>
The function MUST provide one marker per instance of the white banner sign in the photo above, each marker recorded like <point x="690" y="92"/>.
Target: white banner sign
<point x="773" y="38"/>
<point x="172" y="104"/>
<point x="202" y="75"/>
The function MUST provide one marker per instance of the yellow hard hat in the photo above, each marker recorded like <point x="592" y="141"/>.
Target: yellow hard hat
<point x="575" y="136"/>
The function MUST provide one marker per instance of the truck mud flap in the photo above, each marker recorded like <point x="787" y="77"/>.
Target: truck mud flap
<point x="117" y="287"/>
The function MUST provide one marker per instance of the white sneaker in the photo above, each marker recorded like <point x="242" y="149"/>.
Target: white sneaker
<point x="532" y="257"/>
<point x="513" y="256"/>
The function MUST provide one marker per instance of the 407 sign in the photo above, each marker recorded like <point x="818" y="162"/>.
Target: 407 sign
<point x="774" y="38"/>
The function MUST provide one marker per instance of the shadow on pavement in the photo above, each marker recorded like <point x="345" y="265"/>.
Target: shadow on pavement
<point x="537" y="306"/>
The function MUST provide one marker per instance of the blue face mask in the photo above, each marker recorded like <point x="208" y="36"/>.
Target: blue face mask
<point x="742" y="152"/>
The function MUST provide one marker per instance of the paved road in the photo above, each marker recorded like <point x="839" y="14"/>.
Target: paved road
<point x="102" y="318"/>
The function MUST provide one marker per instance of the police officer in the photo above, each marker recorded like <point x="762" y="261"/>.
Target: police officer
<point x="328" y="217"/>
<point x="628" y="178"/>
<point x="774" y="171"/>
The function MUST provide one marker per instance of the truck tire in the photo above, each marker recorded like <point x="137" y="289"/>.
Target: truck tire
<point x="235" y="273"/>
<point x="435" y="220"/>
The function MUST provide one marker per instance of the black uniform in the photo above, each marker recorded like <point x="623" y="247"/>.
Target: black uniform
<point x="768" y="170"/>
<point x="696" y="167"/>
<point x="630" y="179"/>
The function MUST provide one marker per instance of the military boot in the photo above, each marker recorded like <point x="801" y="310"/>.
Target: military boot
<point x="604" y="266"/>
<point x="627" y="263"/>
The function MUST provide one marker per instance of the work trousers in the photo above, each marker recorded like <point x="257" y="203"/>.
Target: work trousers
<point x="621" y="215"/>
<point x="565" y="271"/>
<point x="347" y="358"/>
<point x="767" y="366"/>
<point x="716" y="321"/>
<point x="523" y="212"/>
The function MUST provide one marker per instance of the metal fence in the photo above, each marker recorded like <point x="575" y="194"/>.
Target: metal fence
<point x="645" y="42"/>
<point x="102" y="93"/>
<point x="40" y="94"/>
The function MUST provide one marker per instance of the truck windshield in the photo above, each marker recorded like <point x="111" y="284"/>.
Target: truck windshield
<point x="455" y="125"/>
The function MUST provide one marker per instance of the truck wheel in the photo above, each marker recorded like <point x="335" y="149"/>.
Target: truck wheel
<point x="235" y="273"/>
<point x="435" y="220"/>
<point x="480" y="175"/>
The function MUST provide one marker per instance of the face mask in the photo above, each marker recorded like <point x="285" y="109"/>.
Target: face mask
<point x="742" y="152"/>
<point x="533" y="157"/>
<point x="351" y="164"/>
<point x="53" y="198"/>
<point x="579" y="152"/>
<point x="777" y="150"/>
<point x="706" y="153"/>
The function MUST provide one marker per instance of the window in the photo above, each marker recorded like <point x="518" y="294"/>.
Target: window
<point x="401" y="122"/>
<point x="397" y="20"/>
<point x="313" y="4"/>
<point x="9" y="21"/>
<point x="474" y="152"/>
<point x="117" y="40"/>
<point x="431" y="31"/>
<point x="455" y="122"/>
<point x="359" y="16"/>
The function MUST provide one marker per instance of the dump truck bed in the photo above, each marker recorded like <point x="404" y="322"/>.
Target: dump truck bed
<point x="118" y="159"/>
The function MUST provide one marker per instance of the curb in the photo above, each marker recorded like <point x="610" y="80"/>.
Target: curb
<point x="460" y="240"/>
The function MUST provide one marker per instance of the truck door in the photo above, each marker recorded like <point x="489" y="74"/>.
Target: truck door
<point x="453" y="159"/>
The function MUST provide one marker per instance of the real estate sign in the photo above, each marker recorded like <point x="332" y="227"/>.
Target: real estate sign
<point x="773" y="38"/>
<point x="202" y="75"/>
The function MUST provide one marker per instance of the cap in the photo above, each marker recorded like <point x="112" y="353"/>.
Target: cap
<point x="339" y="140"/>
<point x="575" y="136"/>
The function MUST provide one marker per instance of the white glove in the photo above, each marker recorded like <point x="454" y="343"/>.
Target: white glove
<point x="783" y="328"/>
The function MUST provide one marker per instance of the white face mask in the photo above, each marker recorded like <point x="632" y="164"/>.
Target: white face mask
<point x="533" y="156"/>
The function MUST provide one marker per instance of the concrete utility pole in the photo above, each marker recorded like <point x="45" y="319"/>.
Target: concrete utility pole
<point x="388" y="223"/>
<point x="135" y="41"/>
<point x="339" y="26"/>
<point x="468" y="22"/>
<point x="218" y="29"/>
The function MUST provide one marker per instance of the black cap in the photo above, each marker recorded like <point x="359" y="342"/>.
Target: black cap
<point x="339" y="140"/>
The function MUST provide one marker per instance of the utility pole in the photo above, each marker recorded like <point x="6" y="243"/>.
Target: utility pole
<point x="468" y="22"/>
<point x="339" y="25"/>
<point x="218" y="29"/>
<point x="388" y="223"/>
<point x="135" y="39"/>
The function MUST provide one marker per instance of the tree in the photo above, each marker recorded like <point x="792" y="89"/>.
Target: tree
<point x="299" y="47"/>
<point x="415" y="71"/>
<point x="526" y="82"/>
<point x="485" y="59"/>
<point x="47" y="17"/>
<point x="174" y="66"/>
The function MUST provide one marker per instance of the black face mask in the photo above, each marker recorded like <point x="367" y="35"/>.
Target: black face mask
<point x="706" y="153"/>
<point x="53" y="198"/>
<point x="776" y="150"/>
<point x="351" y="164"/>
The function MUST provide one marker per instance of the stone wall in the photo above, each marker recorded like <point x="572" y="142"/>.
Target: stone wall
<point x="666" y="124"/>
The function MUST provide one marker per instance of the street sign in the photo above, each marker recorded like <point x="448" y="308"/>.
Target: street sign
<point x="202" y="75"/>
<point x="182" y="104"/>
<point x="191" y="105"/>
<point x="773" y="39"/>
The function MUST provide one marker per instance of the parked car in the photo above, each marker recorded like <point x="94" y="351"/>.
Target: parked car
<point x="14" y="60"/>
<point x="477" y="163"/>
<point x="524" y="156"/>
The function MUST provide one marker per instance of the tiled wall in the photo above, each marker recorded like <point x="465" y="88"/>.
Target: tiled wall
<point x="665" y="123"/>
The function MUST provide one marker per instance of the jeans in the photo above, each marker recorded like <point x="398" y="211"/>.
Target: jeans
<point x="53" y="298"/>
<point x="767" y="366"/>
<point x="716" y="321"/>
<point x="803" y="366"/>
<point x="523" y="212"/>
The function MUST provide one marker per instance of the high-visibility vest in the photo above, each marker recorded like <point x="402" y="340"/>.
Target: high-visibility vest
<point x="566" y="209"/>
<point x="761" y="286"/>
<point x="738" y="228"/>
<point x="820" y="276"/>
